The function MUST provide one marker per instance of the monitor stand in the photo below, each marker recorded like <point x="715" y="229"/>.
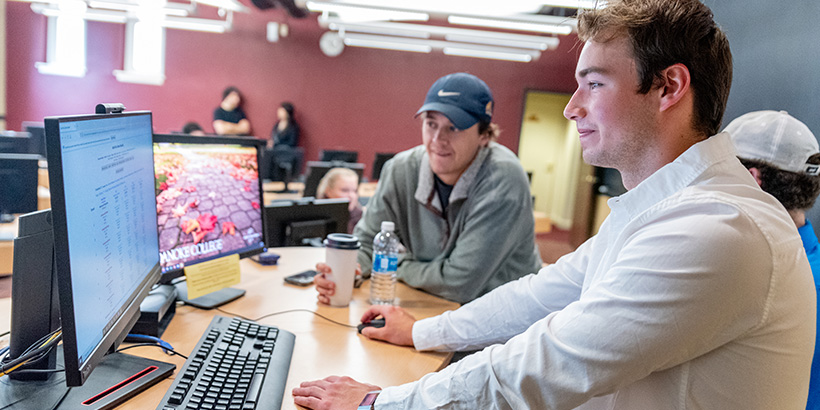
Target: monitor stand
<point x="209" y="301"/>
<point x="117" y="378"/>
<point x="9" y="218"/>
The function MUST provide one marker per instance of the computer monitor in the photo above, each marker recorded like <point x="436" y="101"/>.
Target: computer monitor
<point x="209" y="199"/>
<point x="305" y="221"/>
<point x="100" y="241"/>
<point x="338" y="155"/>
<point x="12" y="142"/>
<point x="37" y="141"/>
<point x="18" y="184"/>
<point x="317" y="169"/>
<point x="378" y="163"/>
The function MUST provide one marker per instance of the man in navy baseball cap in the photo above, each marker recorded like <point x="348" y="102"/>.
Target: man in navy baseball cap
<point x="449" y="197"/>
<point x="463" y="98"/>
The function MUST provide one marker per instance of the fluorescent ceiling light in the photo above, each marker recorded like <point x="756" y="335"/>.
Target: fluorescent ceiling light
<point x="231" y="5"/>
<point x="171" y="9"/>
<point x="447" y="7"/>
<point x="195" y="24"/>
<point x="533" y="26"/>
<point x="425" y="46"/>
<point x="355" y="12"/>
<point x="494" y="55"/>
<point x="388" y="43"/>
<point x="449" y="33"/>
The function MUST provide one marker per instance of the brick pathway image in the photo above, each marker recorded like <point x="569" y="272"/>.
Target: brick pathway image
<point x="207" y="201"/>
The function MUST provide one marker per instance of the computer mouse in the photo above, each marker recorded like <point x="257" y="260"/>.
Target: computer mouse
<point x="373" y="323"/>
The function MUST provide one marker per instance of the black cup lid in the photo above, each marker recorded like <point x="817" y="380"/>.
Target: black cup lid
<point x="342" y="241"/>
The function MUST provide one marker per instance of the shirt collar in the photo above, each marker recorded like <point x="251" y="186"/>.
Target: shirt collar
<point x="675" y="176"/>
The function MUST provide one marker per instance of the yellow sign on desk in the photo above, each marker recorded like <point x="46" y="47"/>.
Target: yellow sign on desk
<point x="206" y="277"/>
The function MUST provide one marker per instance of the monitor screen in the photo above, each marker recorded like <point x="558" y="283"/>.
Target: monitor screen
<point x="317" y="169"/>
<point x="12" y="142"/>
<point x="304" y="221"/>
<point x="18" y="183"/>
<point x="338" y="155"/>
<point x="37" y="132"/>
<point x="105" y="244"/>
<point x="209" y="199"/>
<point x="378" y="163"/>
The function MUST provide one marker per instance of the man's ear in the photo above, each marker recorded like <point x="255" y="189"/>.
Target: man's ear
<point x="756" y="174"/>
<point x="676" y="82"/>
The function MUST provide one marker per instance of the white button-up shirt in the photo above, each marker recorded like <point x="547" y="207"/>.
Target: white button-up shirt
<point x="695" y="294"/>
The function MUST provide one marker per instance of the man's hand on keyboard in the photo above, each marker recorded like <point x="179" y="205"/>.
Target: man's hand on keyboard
<point x="398" y="325"/>
<point x="332" y="393"/>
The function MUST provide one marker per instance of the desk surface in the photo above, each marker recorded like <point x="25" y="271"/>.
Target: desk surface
<point x="322" y="348"/>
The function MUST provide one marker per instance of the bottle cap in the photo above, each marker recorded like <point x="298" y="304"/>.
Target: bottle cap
<point x="342" y="241"/>
<point x="388" y="226"/>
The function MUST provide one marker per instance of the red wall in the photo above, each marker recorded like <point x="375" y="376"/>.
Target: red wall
<point x="362" y="100"/>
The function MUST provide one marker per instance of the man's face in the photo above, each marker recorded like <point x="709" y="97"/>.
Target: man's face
<point x="451" y="150"/>
<point x="616" y="123"/>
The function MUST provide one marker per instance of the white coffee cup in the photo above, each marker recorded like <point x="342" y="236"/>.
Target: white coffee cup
<point x="340" y="254"/>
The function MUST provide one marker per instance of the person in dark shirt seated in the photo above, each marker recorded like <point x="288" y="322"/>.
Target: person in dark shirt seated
<point x="229" y="119"/>
<point x="285" y="132"/>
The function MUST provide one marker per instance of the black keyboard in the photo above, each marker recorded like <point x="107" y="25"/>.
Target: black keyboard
<point x="237" y="365"/>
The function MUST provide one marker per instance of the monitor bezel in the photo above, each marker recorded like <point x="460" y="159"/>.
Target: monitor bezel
<point x="77" y="373"/>
<point x="169" y="276"/>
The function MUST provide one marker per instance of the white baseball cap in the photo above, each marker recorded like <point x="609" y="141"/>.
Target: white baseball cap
<point x="777" y="138"/>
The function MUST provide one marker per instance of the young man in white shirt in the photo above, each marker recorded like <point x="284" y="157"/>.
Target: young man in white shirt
<point x="695" y="294"/>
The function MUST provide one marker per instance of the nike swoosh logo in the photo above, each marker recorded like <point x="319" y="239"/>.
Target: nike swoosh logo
<point x="442" y="93"/>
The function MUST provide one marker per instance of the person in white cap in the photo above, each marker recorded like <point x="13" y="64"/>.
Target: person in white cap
<point x="460" y="202"/>
<point x="783" y="156"/>
<point x="695" y="294"/>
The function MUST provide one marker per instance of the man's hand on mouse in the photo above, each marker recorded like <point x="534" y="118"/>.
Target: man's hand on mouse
<point x="398" y="327"/>
<point x="326" y="287"/>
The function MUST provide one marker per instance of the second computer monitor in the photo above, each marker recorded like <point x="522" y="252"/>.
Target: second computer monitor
<point x="304" y="222"/>
<point x="338" y="155"/>
<point x="12" y="142"/>
<point x="18" y="183"/>
<point x="317" y="169"/>
<point x="209" y="201"/>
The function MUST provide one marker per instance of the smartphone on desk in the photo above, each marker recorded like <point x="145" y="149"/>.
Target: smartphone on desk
<point x="302" y="278"/>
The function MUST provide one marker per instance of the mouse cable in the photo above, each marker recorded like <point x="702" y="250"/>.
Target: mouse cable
<point x="165" y="349"/>
<point x="287" y="311"/>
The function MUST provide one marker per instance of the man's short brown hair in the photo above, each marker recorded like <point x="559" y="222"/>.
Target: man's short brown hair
<point x="668" y="32"/>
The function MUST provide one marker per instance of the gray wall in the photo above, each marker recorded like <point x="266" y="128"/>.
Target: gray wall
<point x="776" y="49"/>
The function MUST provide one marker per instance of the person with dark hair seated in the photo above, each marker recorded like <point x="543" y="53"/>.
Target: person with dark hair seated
<point x="285" y="132"/>
<point x="282" y="158"/>
<point x="229" y="119"/>
<point x="192" y="128"/>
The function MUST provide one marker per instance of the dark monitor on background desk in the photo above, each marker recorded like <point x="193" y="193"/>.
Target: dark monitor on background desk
<point x="100" y="241"/>
<point x="338" y="155"/>
<point x="12" y="142"/>
<point x="317" y="169"/>
<point x="37" y="135"/>
<point x="209" y="200"/>
<point x="378" y="164"/>
<point x="18" y="184"/>
<point x="304" y="221"/>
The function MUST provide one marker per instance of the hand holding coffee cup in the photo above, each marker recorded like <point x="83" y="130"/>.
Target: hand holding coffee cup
<point x="340" y="255"/>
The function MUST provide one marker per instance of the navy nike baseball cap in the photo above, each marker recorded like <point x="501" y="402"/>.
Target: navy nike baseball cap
<point x="463" y="98"/>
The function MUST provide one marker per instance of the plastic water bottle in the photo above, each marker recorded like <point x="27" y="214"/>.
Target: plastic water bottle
<point x="385" y="262"/>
